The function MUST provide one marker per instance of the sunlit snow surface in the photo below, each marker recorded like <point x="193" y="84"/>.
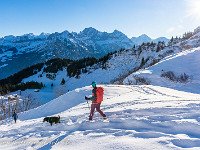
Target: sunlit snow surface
<point x="183" y="62"/>
<point x="139" y="118"/>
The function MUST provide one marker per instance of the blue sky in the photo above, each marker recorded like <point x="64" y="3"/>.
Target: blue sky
<point x="156" y="18"/>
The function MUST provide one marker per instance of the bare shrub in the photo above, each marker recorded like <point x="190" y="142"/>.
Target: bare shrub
<point x="141" y="80"/>
<point x="170" y="75"/>
<point x="129" y="82"/>
<point x="183" y="78"/>
<point x="118" y="80"/>
<point x="27" y="102"/>
<point x="19" y="104"/>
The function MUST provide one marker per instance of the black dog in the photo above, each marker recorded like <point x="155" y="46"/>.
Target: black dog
<point x="51" y="120"/>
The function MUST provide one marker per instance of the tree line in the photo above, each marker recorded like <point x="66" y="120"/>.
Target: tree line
<point x="185" y="36"/>
<point x="74" y="69"/>
<point x="7" y="88"/>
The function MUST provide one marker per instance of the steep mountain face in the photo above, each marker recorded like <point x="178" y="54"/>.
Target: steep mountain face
<point x="17" y="53"/>
<point x="104" y="42"/>
<point x="145" y="39"/>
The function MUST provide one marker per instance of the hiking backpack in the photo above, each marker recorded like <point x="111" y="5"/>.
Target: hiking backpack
<point x="99" y="93"/>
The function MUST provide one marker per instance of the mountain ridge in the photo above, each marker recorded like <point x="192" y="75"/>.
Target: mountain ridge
<point x="34" y="49"/>
<point x="145" y="39"/>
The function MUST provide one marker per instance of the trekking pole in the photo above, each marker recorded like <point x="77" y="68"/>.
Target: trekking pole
<point x="88" y="105"/>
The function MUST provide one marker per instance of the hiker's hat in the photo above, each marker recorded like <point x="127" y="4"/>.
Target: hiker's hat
<point x="93" y="83"/>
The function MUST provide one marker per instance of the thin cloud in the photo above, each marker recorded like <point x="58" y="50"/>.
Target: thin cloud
<point x="175" y="29"/>
<point x="170" y="30"/>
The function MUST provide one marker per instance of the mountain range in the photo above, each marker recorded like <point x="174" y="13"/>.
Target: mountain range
<point x="19" y="52"/>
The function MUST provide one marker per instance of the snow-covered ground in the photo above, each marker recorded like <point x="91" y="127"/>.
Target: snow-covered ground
<point x="116" y="66"/>
<point x="119" y="65"/>
<point x="139" y="117"/>
<point x="183" y="62"/>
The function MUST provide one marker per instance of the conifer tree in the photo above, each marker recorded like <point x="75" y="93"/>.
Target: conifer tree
<point x="172" y="39"/>
<point x="142" y="62"/>
<point x="63" y="81"/>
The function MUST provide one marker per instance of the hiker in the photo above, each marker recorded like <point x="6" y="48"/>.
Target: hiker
<point x="15" y="116"/>
<point x="97" y="98"/>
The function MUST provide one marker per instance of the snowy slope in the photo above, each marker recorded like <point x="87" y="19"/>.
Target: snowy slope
<point x="118" y="66"/>
<point x="191" y="40"/>
<point x="140" y="118"/>
<point x="183" y="62"/>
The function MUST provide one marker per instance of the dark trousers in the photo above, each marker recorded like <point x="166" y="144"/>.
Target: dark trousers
<point x="15" y="119"/>
<point x="97" y="106"/>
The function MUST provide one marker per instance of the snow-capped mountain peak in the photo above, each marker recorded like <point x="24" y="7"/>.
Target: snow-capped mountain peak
<point x="144" y="36"/>
<point x="90" y="31"/>
<point x="43" y="35"/>
<point x="145" y="39"/>
<point x="9" y="38"/>
<point x="30" y="35"/>
<point x="117" y="33"/>
<point x="141" y="39"/>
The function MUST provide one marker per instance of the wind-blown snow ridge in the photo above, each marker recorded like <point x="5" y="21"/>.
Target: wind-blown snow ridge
<point x="140" y="117"/>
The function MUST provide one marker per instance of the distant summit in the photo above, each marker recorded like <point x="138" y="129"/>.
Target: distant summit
<point x="90" y="31"/>
<point x="145" y="39"/>
<point x="141" y="39"/>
